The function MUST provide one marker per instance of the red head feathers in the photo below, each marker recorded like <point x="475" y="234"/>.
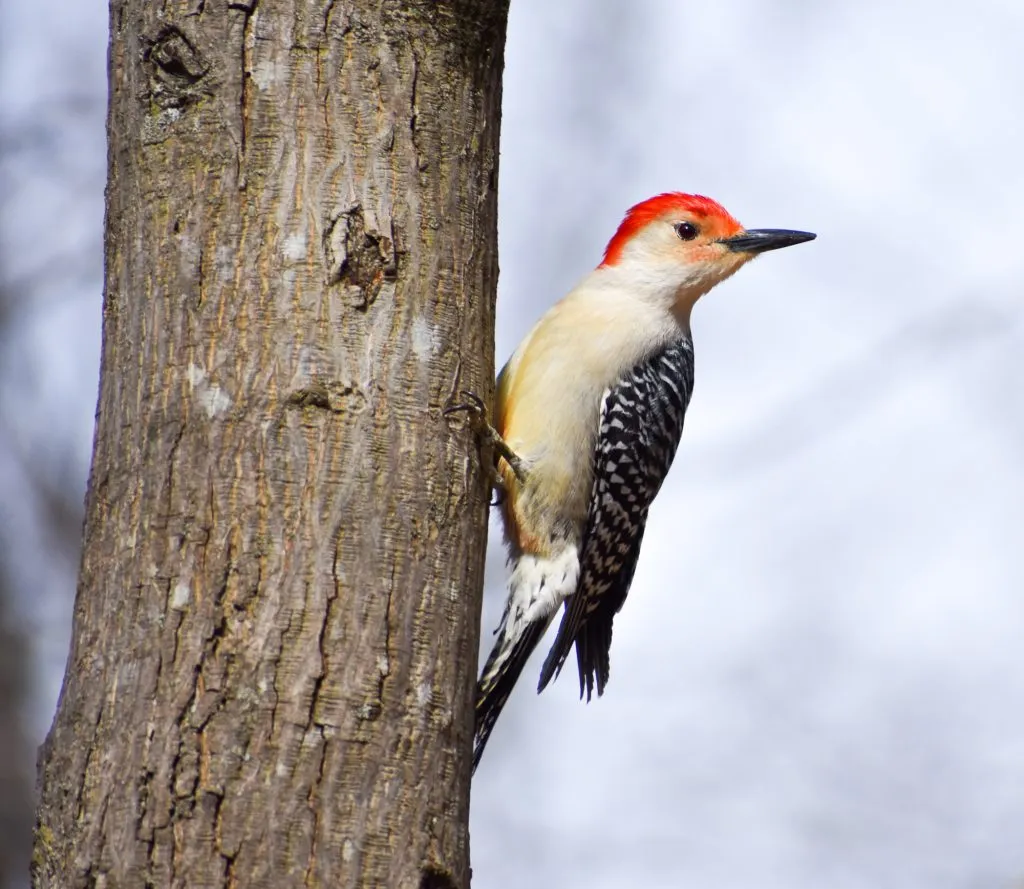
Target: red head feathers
<point x="663" y="205"/>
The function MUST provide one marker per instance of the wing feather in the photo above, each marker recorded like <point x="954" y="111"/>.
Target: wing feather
<point x="641" y="425"/>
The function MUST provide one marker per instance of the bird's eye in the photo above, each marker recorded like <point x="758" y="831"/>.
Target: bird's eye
<point x="687" y="231"/>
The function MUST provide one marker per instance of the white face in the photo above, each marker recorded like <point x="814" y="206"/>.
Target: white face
<point x="682" y="256"/>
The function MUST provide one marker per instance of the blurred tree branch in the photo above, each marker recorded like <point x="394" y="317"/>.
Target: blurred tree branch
<point x="43" y="511"/>
<point x="15" y="785"/>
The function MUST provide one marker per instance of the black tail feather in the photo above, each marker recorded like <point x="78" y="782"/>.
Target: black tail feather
<point x="593" y="653"/>
<point x="492" y="691"/>
<point x="560" y="648"/>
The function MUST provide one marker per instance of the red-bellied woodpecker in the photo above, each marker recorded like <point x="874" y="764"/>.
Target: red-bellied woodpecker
<point x="588" y="416"/>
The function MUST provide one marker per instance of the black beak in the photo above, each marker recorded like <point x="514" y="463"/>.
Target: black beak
<point x="760" y="240"/>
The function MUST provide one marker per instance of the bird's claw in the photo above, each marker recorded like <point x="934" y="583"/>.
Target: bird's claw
<point x="474" y="406"/>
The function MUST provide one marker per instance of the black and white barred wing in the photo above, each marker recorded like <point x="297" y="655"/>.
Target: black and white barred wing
<point x="641" y="424"/>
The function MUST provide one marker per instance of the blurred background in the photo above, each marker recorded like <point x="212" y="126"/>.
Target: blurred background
<point x="817" y="679"/>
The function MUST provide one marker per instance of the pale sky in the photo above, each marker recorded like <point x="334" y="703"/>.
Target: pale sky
<point x="816" y="679"/>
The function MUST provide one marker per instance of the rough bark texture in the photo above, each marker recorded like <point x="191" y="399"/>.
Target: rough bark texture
<point x="275" y="630"/>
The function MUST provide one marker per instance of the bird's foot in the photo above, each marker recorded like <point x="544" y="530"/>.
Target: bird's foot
<point x="476" y="412"/>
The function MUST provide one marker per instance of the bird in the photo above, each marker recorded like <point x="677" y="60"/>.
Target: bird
<point x="588" y="415"/>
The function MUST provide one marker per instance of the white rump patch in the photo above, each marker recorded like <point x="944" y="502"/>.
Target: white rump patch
<point x="537" y="587"/>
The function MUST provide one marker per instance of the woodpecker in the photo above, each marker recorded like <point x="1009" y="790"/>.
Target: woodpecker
<point x="588" y="415"/>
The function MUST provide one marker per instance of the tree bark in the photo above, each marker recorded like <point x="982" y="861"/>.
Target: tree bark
<point x="275" y="631"/>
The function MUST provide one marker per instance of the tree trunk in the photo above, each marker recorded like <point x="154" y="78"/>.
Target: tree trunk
<point x="275" y="631"/>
